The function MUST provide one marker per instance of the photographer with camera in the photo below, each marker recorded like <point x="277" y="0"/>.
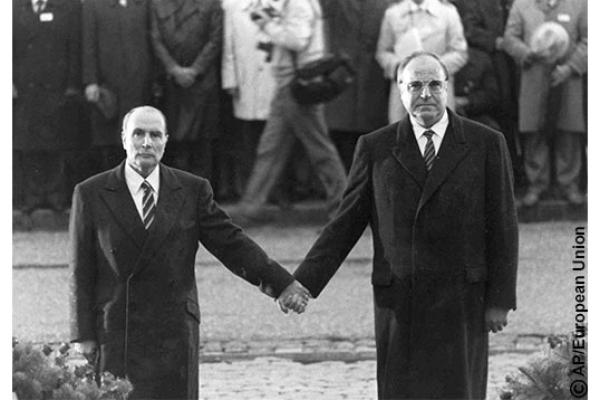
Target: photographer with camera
<point x="295" y="30"/>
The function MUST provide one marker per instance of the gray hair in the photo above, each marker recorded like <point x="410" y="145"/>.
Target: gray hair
<point x="418" y="54"/>
<point x="140" y="109"/>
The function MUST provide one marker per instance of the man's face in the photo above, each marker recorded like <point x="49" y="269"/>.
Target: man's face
<point x="424" y="90"/>
<point x="144" y="140"/>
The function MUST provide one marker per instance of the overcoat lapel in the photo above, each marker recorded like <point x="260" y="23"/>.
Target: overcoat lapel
<point x="170" y="203"/>
<point x="118" y="199"/>
<point x="453" y="149"/>
<point x="407" y="152"/>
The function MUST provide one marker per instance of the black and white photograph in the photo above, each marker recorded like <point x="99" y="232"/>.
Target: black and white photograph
<point x="299" y="199"/>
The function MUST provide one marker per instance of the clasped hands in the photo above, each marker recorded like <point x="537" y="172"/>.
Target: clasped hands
<point x="294" y="297"/>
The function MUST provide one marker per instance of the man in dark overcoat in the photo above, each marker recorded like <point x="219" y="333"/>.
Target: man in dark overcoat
<point x="134" y="234"/>
<point x="437" y="191"/>
<point x="117" y="56"/>
<point x="46" y="84"/>
<point x="353" y="29"/>
<point x="187" y="38"/>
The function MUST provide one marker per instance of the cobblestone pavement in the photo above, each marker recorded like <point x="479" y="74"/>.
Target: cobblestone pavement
<point x="279" y="378"/>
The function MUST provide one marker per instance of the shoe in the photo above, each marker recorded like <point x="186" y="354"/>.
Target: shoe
<point x="575" y="197"/>
<point x="531" y="198"/>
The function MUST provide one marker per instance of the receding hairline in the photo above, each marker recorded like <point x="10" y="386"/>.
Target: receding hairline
<point x="142" y="109"/>
<point x="422" y="54"/>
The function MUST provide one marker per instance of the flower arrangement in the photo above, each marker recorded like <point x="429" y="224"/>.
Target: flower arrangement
<point x="545" y="377"/>
<point x="44" y="373"/>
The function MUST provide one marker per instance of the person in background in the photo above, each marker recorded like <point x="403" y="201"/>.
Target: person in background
<point x="484" y="22"/>
<point x="187" y="39"/>
<point x="353" y="28"/>
<point x="295" y="36"/>
<point x="551" y="111"/>
<point x="246" y="76"/>
<point x="476" y="89"/>
<point x="46" y="100"/>
<point x="414" y="25"/>
<point x="118" y="68"/>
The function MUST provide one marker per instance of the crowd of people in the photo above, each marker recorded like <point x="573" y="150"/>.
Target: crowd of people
<point x="217" y="70"/>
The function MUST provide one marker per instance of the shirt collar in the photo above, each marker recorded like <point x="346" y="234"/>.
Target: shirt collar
<point x="429" y="6"/>
<point x="134" y="179"/>
<point x="439" y="128"/>
<point x="34" y="5"/>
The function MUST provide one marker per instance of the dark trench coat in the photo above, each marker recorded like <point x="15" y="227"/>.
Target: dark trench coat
<point x="445" y="249"/>
<point x="46" y="62"/>
<point x="189" y="33"/>
<point x="117" y="54"/>
<point x="134" y="291"/>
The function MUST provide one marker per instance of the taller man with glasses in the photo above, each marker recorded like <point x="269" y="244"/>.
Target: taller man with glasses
<point x="437" y="192"/>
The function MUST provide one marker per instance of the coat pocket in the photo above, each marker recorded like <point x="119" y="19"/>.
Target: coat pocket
<point x="193" y="309"/>
<point x="475" y="274"/>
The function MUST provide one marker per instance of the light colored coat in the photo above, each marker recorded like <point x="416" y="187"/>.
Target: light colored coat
<point x="244" y="66"/>
<point x="440" y="31"/>
<point x="525" y="16"/>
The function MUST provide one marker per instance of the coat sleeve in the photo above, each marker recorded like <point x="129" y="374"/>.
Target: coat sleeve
<point x="342" y="233"/>
<point x="82" y="267"/>
<point x="456" y="55"/>
<point x="212" y="49"/>
<point x="240" y="254"/>
<point x="228" y="70"/>
<point x="514" y="43"/>
<point x="578" y="59"/>
<point x="161" y="51"/>
<point x="384" y="54"/>
<point x="89" y="43"/>
<point x="501" y="228"/>
<point x="74" y="46"/>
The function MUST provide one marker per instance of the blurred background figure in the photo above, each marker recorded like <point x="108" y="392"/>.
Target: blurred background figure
<point x="246" y="76"/>
<point x="295" y="37"/>
<point x="476" y="89"/>
<point x="46" y="100"/>
<point x="117" y="70"/>
<point x="548" y="39"/>
<point x="484" y="22"/>
<point x="412" y="25"/>
<point x="187" y="38"/>
<point x="353" y="28"/>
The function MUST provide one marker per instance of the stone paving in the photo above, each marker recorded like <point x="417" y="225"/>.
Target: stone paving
<point x="281" y="378"/>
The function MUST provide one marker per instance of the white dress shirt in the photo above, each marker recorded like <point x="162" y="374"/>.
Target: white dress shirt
<point x="134" y="184"/>
<point x="439" y="129"/>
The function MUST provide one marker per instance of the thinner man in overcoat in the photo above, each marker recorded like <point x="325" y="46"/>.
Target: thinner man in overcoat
<point x="437" y="191"/>
<point x="46" y="105"/>
<point x="117" y="56"/>
<point x="134" y="234"/>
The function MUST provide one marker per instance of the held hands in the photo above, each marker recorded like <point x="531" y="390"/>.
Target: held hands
<point x="92" y="92"/>
<point x="560" y="74"/>
<point x="495" y="319"/>
<point x="294" y="297"/>
<point x="184" y="76"/>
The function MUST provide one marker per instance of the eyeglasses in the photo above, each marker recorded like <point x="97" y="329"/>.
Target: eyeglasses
<point x="434" y="86"/>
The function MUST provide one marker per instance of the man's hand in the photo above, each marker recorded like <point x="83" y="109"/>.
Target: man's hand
<point x="560" y="74"/>
<point x="88" y="348"/>
<point x="294" y="297"/>
<point x="92" y="92"/>
<point x="184" y="76"/>
<point x="531" y="58"/>
<point x="495" y="319"/>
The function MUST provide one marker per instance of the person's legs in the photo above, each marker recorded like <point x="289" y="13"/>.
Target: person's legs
<point x="537" y="166"/>
<point x="271" y="155"/>
<point x="310" y="127"/>
<point x="567" y="154"/>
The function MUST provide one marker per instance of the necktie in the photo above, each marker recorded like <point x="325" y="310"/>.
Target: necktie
<point x="148" y="205"/>
<point x="429" y="153"/>
<point x="39" y="6"/>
